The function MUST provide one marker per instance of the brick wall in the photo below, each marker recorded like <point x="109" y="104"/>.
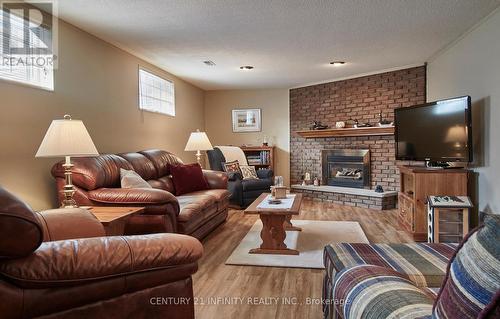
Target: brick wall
<point x="361" y="98"/>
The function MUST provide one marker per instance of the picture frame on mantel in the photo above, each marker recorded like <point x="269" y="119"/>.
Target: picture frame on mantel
<point x="246" y="120"/>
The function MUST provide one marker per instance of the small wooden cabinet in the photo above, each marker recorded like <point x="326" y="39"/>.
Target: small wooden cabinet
<point x="260" y="156"/>
<point x="416" y="185"/>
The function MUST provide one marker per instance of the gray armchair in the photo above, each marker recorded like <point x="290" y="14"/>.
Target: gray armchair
<point x="243" y="191"/>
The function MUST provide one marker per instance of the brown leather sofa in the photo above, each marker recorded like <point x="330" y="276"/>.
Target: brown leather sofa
<point x="57" y="264"/>
<point x="97" y="182"/>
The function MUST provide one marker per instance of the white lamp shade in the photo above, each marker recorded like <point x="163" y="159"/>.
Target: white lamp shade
<point x="67" y="138"/>
<point x="198" y="141"/>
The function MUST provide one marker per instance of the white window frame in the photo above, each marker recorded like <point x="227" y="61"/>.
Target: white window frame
<point x="168" y="82"/>
<point x="29" y="78"/>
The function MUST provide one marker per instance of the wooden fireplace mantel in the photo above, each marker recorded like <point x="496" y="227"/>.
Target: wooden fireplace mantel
<point x="344" y="132"/>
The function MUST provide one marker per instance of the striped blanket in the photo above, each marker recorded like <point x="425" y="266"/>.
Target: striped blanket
<point x="424" y="264"/>
<point x="374" y="292"/>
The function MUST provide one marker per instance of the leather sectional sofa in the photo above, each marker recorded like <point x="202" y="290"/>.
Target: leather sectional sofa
<point x="59" y="264"/>
<point x="97" y="183"/>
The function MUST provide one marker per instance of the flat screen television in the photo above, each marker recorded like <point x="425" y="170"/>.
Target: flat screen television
<point x="439" y="131"/>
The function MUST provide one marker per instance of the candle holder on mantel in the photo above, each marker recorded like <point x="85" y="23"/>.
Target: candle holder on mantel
<point x="316" y="181"/>
<point x="306" y="178"/>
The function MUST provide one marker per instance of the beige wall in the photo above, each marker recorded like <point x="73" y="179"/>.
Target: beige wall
<point x="97" y="83"/>
<point x="471" y="66"/>
<point x="275" y="121"/>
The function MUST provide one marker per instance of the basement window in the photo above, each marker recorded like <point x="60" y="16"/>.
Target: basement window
<point x="25" y="50"/>
<point x="156" y="94"/>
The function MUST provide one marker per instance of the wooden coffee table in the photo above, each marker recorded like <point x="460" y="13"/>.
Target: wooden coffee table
<point x="113" y="218"/>
<point x="275" y="223"/>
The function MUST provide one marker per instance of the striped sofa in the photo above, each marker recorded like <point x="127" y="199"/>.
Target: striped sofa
<point x="404" y="280"/>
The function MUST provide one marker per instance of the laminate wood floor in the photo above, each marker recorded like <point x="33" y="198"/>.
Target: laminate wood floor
<point x="227" y="291"/>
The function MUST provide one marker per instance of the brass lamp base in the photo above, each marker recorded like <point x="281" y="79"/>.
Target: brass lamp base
<point x="69" y="189"/>
<point x="198" y="157"/>
<point x="71" y="203"/>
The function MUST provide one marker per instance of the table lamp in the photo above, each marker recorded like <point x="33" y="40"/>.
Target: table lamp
<point x="67" y="138"/>
<point x="198" y="141"/>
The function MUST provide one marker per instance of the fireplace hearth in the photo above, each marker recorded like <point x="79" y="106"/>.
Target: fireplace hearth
<point x="346" y="168"/>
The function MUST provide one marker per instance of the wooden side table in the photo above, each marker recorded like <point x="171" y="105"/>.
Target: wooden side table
<point x="113" y="218"/>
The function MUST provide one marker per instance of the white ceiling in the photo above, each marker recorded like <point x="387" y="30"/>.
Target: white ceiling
<point x="289" y="42"/>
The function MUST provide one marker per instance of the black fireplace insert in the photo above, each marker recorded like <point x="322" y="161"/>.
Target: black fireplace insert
<point x="346" y="168"/>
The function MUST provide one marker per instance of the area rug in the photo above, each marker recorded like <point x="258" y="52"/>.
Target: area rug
<point x="315" y="235"/>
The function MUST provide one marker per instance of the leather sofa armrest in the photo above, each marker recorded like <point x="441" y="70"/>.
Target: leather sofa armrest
<point x="137" y="196"/>
<point x="216" y="179"/>
<point x="156" y="202"/>
<point x="80" y="261"/>
<point x="265" y="173"/>
<point x="69" y="223"/>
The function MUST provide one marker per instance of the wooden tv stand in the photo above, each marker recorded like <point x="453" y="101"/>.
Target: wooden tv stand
<point x="416" y="184"/>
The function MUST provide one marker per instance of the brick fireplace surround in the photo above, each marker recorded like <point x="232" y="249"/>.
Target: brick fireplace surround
<point x="359" y="98"/>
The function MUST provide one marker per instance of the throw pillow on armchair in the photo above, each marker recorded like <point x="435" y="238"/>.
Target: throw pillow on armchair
<point x="248" y="172"/>
<point x="188" y="178"/>
<point x="232" y="169"/>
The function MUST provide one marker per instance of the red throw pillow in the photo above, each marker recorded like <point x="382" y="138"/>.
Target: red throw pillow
<point x="188" y="178"/>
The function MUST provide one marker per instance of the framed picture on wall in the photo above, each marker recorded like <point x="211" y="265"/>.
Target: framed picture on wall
<point x="247" y="120"/>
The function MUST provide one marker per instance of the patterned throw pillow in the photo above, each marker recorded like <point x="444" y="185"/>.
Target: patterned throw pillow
<point x="248" y="172"/>
<point x="232" y="167"/>
<point x="473" y="277"/>
<point x="130" y="179"/>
